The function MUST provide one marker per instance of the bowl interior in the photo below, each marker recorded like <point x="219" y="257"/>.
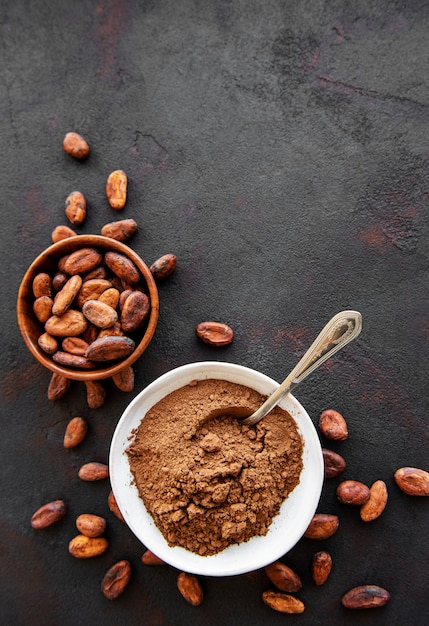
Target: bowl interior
<point x="286" y="528"/>
<point x="31" y="328"/>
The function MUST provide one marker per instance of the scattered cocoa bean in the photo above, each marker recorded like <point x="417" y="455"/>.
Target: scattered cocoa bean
<point x="75" y="208"/>
<point x="76" y="431"/>
<point x="62" y="232"/>
<point x="122" y="230"/>
<point x="164" y="266"/>
<point x="321" y="567"/>
<point x="149" y="558"/>
<point x="58" y="386"/>
<point x="42" y="285"/>
<point x="376" y="504"/>
<point x="93" y="471"/>
<point x="134" y="311"/>
<point x="116" y="189"/>
<point x="334" y="463"/>
<point x="116" y="579"/>
<point x="47" y="343"/>
<point x="48" y="514"/>
<point x="122" y="267"/>
<point x="322" y="526"/>
<point x="283" y="577"/>
<point x="95" y="394"/>
<point x="365" y="597"/>
<point x="91" y="525"/>
<point x="75" y="145"/>
<point x="333" y="425"/>
<point x="83" y="547"/>
<point x="110" y="348"/>
<point x="353" y="492"/>
<point x="215" y="333"/>
<point x="113" y="506"/>
<point x="124" y="379"/>
<point x="412" y="481"/>
<point x="283" y="602"/>
<point x="190" y="588"/>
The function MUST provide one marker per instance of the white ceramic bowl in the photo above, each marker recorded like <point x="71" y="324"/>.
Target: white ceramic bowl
<point x="286" y="528"/>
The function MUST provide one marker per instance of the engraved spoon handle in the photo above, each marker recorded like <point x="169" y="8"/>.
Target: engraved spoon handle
<point x="338" y="332"/>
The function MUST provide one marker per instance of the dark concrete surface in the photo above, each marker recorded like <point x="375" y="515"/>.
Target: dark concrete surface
<point x="280" y="150"/>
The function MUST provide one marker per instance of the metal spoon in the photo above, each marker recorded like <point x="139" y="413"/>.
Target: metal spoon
<point x="338" y="332"/>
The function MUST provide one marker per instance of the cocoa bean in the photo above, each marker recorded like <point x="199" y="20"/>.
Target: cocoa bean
<point x="283" y="577"/>
<point x="62" y="232"/>
<point x="72" y="360"/>
<point x="124" y="379"/>
<point x="190" y="588"/>
<point x="82" y="261"/>
<point x="42" y="308"/>
<point x="215" y="333"/>
<point x="95" y="394"/>
<point x="58" y="386"/>
<point x="82" y="547"/>
<point x="75" y="145"/>
<point x="116" y="579"/>
<point x="48" y="514"/>
<point x="376" y="504"/>
<point x="47" y="343"/>
<point x="322" y="526"/>
<point x="110" y="348"/>
<point x="412" y="481"/>
<point x="321" y="567"/>
<point x="353" y="492"/>
<point x="334" y="463"/>
<point x="97" y="272"/>
<point x="164" y="266"/>
<point x="100" y="314"/>
<point x="116" y="189"/>
<point x="75" y="208"/>
<point x="59" y="280"/>
<point x="92" y="289"/>
<point x="74" y="345"/>
<point x="333" y="425"/>
<point x="365" y="597"/>
<point x="149" y="558"/>
<point x="42" y="285"/>
<point x="121" y="230"/>
<point x="71" y="324"/>
<point x="91" y="525"/>
<point x="66" y="295"/>
<point x="112" y="331"/>
<point x="110" y="297"/>
<point x="93" y="471"/>
<point x="283" y="602"/>
<point x="134" y="311"/>
<point x="75" y="432"/>
<point x="122" y="267"/>
<point x="113" y="506"/>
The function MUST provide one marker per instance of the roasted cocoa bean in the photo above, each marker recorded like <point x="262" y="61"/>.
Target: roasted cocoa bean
<point x="71" y="324"/>
<point x="124" y="379"/>
<point x="116" y="579"/>
<point x="322" y="526"/>
<point x="58" y="386"/>
<point x="412" y="481"/>
<point x="334" y="464"/>
<point x="91" y="525"/>
<point x="75" y="145"/>
<point x="113" y="506"/>
<point x="215" y="333"/>
<point x="321" y="567"/>
<point x="353" y="492"/>
<point x="42" y="285"/>
<point x="122" y="230"/>
<point x="112" y="331"/>
<point x="59" y="280"/>
<point x="116" y="189"/>
<point x="333" y="425"/>
<point x="42" y="308"/>
<point x="110" y="297"/>
<point x="72" y="360"/>
<point x="122" y="267"/>
<point x="283" y="602"/>
<point x="100" y="314"/>
<point x="149" y="558"/>
<point x="110" y="348"/>
<point x="283" y="577"/>
<point x="164" y="266"/>
<point x="48" y="514"/>
<point x="82" y="261"/>
<point x="75" y="432"/>
<point x="95" y="394"/>
<point x="74" y="345"/>
<point x="83" y="547"/>
<point x="93" y="471"/>
<point x="64" y="298"/>
<point x="62" y="232"/>
<point x="134" y="311"/>
<point x="97" y="272"/>
<point x="75" y="208"/>
<point x="47" y="343"/>
<point x="92" y="289"/>
<point x="365" y="597"/>
<point x="190" y="588"/>
<point x="376" y="504"/>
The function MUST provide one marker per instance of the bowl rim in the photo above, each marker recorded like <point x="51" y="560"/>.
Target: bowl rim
<point x="86" y="240"/>
<point x="228" y="562"/>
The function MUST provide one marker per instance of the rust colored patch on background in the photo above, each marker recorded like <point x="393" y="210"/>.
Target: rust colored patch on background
<point x="111" y="21"/>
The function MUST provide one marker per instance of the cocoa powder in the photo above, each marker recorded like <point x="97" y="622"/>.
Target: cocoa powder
<point x="210" y="483"/>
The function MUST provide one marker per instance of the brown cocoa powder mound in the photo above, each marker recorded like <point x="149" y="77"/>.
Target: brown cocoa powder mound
<point x="210" y="484"/>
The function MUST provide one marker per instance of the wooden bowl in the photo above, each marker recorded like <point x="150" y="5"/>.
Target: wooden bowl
<point x="31" y="328"/>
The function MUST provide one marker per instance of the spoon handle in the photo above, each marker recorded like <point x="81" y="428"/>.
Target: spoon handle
<point x="338" y="332"/>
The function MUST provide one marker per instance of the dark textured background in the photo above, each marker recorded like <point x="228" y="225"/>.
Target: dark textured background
<point x="280" y="150"/>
